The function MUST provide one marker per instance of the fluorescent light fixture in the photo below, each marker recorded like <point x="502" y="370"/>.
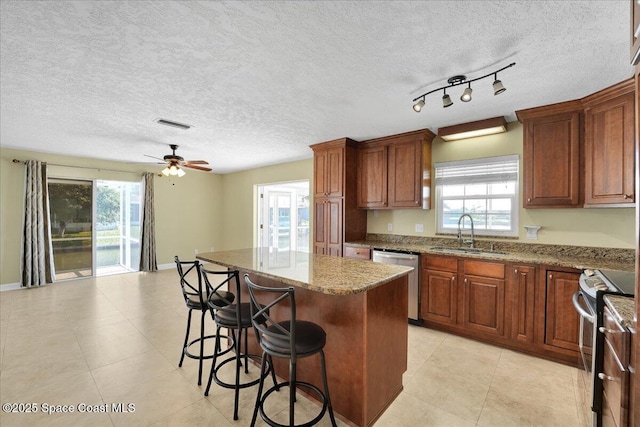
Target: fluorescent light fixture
<point x="473" y="129"/>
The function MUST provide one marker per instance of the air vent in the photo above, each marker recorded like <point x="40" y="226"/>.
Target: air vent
<point x="174" y="124"/>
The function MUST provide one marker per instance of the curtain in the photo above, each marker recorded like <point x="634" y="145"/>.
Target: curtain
<point x="148" y="237"/>
<point x="37" y="252"/>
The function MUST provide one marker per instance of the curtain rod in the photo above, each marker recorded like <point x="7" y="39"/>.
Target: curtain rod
<point x="82" y="167"/>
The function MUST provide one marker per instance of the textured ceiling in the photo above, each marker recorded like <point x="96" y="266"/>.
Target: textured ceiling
<point x="261" y="81"/>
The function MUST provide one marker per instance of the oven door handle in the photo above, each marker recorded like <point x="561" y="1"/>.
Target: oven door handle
<point x="581" y="310"/>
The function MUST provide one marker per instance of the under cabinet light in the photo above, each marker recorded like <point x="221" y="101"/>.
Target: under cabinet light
<point x="473" y="129"/>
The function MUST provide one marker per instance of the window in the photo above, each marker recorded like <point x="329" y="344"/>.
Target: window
<point x="486" y="189"/>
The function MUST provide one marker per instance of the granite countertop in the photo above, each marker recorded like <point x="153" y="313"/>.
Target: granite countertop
<point x="623" y="308"/>
<point x="550" y="255"/>
<point x="319" y="273"/>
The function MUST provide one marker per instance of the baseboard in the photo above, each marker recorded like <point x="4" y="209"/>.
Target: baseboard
<point x="10" y="287"/>
<point x="166" y="266"/>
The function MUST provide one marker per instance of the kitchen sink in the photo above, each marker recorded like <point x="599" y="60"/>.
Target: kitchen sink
<point x="474" y="251"/>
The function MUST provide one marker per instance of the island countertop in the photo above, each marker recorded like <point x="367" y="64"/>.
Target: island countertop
<point x="319" y="273"/>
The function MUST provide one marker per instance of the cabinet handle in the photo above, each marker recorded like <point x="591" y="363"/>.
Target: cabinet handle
<point x="603" y="330"/>
<point x="465" y="280"/>
<point x="453" y="279"/>
<point x="529" y="199"/>
<point x="627" y="196"/>
<point x="515" y="271"/>
<point x="605" y="377"/>
<point x="551" y="276"/>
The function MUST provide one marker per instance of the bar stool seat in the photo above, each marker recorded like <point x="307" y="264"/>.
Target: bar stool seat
<point x="291" y="339"/>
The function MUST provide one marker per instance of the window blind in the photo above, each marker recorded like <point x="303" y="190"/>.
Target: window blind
<point x="478" y="171"/>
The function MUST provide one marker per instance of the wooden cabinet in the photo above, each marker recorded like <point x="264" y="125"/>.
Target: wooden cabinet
<point x="551" y="155"/>
<point x="615" y="372"/>
<point x="372" y="177"/>
<point x="520" y="300"/>
<point x="561" y="321"/>
<point x="336" y="216"/>
<point x="357" y="252"/>
<point x="439" y="289"/>
<point x="394" y="172"/>
<point x="483" y="296"/>
<point x="609" y="146"/>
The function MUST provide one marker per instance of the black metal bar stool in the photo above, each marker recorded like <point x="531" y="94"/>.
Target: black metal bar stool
<point x="196" y="298"/>
<point x="234" y="317"/>
<point x="291" y="339"/>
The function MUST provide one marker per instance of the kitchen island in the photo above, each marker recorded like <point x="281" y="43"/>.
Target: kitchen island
<point x="363" y="308"/>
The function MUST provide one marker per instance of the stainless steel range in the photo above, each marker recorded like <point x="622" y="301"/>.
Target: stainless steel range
<point x="589" y="303"/>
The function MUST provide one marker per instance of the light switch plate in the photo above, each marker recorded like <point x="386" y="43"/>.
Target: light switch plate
<point x="389" y="227"/>
<point x="419" y="228"/>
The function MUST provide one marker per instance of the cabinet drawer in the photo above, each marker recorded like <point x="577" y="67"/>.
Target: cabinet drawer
<point x="440" y="263"/>
<point x="484" y="269"/>
<point x="615" y="383"/>
<point x="617" y="336"/>
<point x="357" y="252"/>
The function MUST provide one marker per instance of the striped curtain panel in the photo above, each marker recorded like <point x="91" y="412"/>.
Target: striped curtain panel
<point x="37" y="252"/>
<point x="148" y="237"/>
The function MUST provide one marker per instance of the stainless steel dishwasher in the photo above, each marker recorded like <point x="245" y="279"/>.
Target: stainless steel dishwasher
<point x="409" y="259"/>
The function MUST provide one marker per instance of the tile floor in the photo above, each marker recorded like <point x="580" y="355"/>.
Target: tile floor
<point x="117" y="339"/>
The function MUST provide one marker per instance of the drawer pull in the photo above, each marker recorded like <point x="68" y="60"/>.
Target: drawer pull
<point x="605" y="377"/>
<point x="604" y="330"/>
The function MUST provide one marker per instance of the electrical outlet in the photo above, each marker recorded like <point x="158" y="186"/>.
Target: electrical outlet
<point x="419" y="228"/>
<point x="389" y="227"/>
<point x="196" y="252"/>
<point x="375" y="214"/>
<point x="211" y="249"/>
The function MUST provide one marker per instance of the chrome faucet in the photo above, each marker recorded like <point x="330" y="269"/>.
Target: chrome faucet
<point x="473" y="237"/>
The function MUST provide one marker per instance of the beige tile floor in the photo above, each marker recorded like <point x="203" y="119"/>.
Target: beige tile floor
<point x="117" y="339"/>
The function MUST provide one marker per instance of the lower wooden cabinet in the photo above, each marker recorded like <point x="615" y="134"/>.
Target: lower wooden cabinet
<point x="483" y="296"/>
<point x="521" y="282"/>
<point x="328" y="226"/>
<point x="357" y="252"/>
<point x="520" y="306"/>
<point x="562" y="321"/>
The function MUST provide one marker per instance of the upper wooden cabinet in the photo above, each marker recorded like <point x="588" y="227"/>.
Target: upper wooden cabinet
<point x="394" y="172"/>
<point x="551" y="155"/>
<point x="609" y="146"/>
<point x="329" y="171"/>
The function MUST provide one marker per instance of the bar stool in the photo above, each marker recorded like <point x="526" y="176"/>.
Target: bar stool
<point x="291" y="339"/>
<point x="234" y="317"/>
<point x="195" y="298"/>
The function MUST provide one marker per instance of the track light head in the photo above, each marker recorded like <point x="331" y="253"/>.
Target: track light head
<point x="498" y="88"/>
<point x="417" y="107"/>
<point x="466" y="95"/>
<point x="446" y="100"/>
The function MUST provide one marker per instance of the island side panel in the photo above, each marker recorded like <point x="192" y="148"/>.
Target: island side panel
<point x="343" y="319"/>
<point x="386" y="345"/>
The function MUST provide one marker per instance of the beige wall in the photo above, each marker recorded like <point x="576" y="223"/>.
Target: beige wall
<point x="612" y="227"/>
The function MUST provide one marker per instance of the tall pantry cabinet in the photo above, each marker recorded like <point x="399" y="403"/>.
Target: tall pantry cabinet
<point x="336" y="216"/>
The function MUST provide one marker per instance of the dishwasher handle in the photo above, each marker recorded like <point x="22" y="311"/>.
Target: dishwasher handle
<point x="395" y="256"/>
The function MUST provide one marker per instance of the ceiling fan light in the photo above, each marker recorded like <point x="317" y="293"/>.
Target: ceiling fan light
<point x="466" y="95"/>
<point x="417" y="107"/>
<point x="166" y="171"/>
<point x="173" y="170"/>
<point x="498" y="88"/>
<point x="181" y="173"/>
<point x="446" y="101"/>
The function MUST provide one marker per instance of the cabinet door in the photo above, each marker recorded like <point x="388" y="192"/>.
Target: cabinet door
<point x="405" y="174"/>
<point x="484" y="304"/>
<point x="562" y="320"/>
<point x="609" y="152"/>
<point x="329" y="172"/>
<point x="328" y="227"/>
<point x="372" y="177"/>
<point x="438" y="296"/>
<point x="551" y="161"/>
<point x="521" y="284"/>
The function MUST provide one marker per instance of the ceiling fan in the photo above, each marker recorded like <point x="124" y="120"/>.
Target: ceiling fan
<point x="175" y="163"/>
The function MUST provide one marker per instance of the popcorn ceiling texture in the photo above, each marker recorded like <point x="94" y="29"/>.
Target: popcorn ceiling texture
<point x="261" y="81"/>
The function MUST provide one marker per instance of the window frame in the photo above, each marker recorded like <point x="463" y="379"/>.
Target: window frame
<point x="515" y="197"/>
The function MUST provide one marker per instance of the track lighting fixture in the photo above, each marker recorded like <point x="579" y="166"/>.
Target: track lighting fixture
<point x="498" y="88"/>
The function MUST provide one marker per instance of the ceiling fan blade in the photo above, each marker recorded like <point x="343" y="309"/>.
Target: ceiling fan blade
<point x="153" y="157"/>
<point x="200" y="168"/>
<point x="197" y="162"/>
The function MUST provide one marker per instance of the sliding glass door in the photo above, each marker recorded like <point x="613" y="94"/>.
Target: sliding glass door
<point x="95" y="227"/>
